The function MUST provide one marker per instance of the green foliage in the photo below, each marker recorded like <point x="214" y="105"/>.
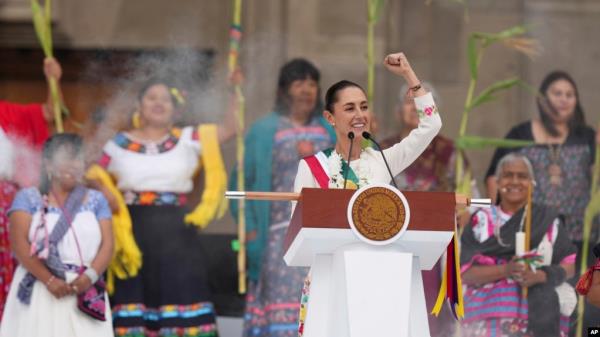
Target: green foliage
<point x="476" y="142"/>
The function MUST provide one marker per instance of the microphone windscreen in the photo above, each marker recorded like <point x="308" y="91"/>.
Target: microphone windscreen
<point x="351" y="135"/>
<point x="366" y="135"/>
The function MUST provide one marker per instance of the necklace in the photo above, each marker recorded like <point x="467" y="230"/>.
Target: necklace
<point x="336" y="170"/>
<point x="498" y="223"/>
<point x="554" y="169"/>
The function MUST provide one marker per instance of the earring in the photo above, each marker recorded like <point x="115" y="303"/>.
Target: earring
<point x="135" y="120"/>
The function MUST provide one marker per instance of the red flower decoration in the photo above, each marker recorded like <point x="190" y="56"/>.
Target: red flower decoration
<point x="429" y="110"/>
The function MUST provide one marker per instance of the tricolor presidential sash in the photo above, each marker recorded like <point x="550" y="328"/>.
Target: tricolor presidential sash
<point x="320" y="169"/>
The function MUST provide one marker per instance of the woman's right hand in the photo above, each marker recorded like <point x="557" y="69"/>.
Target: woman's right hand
<point x="59" y="288"/>
<point x="52" y="69"/>
<point x="514" y="269"/>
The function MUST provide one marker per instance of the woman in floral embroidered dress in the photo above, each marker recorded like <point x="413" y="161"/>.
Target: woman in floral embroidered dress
<point x="493" y="275"/>
<point x="347" y="110"/>
<point x="153" y="165"/>
<point x="562" y="158"/>
<point x="274" y="145"/>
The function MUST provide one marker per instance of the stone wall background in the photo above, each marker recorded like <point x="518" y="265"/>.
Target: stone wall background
<point x="332" y="34"/>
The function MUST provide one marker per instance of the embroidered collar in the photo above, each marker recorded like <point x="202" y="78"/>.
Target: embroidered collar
<point x="128" y="142"/>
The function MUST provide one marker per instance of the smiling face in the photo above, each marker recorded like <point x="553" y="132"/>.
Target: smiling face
<point x="561" y="95"/>
<point x="350" y="113"/>
<point x="156" y="106"/>
<point x="302" y="95"/>
<point x="513" y="182"/>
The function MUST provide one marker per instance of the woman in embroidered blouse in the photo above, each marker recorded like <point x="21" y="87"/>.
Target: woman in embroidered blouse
<point x="153" y="166"/>
<point x="562" y="158"/>
<point x="347" y="109"/>
<point x="55" y="231"/>
<point x="274" y="145"/>
<point x="490" y="267"/>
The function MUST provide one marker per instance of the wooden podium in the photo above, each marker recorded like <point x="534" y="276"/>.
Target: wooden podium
<point x="362" y="290"/>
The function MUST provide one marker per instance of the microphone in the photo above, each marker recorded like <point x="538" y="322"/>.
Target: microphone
<point x="351" y="136"/>
<point x="367" y="136"/>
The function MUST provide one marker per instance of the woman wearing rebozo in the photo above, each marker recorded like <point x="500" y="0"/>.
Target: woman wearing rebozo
<point x="494" y="276"/>
<point x="347" y="110"/>
<point x="62" y="236"/>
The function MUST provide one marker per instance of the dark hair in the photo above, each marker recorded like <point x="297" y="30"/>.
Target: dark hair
<point x="597" y="250"/>
<point x="68" y="141"/>
<point x="577" y="122"/>
<point x="157" y="81"/>
<point x="331" y="95"/>
<point x="294" y="70"/>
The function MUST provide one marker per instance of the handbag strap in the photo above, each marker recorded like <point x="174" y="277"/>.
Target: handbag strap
<point x="69" y="218"/>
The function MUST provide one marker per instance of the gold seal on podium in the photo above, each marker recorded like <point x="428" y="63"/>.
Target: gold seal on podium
<point x="378" y="214"/>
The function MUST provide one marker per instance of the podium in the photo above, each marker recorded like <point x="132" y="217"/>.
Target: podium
<point x="363" y="290"/>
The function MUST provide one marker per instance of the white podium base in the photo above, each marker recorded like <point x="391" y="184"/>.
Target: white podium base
<point x="365" y="291"/>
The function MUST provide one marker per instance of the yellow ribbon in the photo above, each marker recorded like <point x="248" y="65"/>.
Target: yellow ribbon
<point x="213" y="203"/>
<point x="127" y="258"/>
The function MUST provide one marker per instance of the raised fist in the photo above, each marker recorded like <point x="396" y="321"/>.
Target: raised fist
<point x="398" y="64"/>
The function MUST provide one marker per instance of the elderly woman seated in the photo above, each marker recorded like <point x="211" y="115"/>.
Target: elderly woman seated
<point x="495" y="278"/>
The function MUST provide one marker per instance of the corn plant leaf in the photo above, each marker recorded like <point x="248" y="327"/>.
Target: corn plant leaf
<point x="488" y="93"/>
<point x="476" y="142"/>
<point x="490" y="38"/>
<point x="512" y="32"/>
<point x="472" y="52"/>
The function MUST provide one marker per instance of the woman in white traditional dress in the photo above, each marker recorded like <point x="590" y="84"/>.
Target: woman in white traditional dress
<point x="347" y="110"/>
<point x="62" y="236"/>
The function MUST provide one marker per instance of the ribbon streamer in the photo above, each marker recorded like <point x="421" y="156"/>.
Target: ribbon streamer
<point x="235" y="38"/>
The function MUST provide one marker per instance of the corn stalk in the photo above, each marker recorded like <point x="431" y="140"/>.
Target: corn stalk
<point x="477" y="45"/>
<point x="375" y="8"/>
<point x="42" y="23"/>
